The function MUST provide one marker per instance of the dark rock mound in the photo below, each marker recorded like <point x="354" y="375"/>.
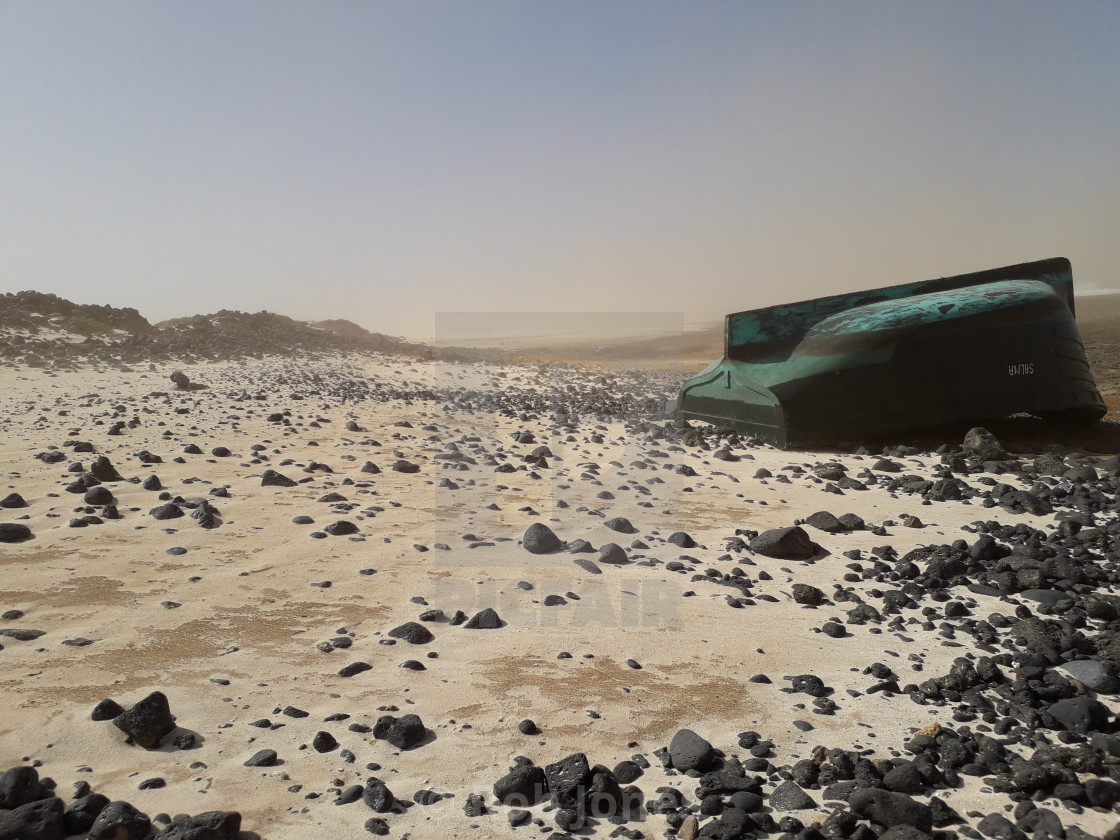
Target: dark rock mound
<point x="540" y="539"/>
<point x="103" y="470"/>
<point x="982" y="445"/>
<point x="148" y="721"/>
<point x="211" y="825"/>
<point x="785" y="544"/>
<point x="41" y="820"/>
<point x="166" y="511"/>
<point x="13" y="500"/>
<point x="889" y="809"/>
<point x="788" y="796"/>
<point x="522" y="786"/>
<point x="120" y="821"/>
<point x="689" y="751"/>
<point x="404" y="733"/>
<point x="412" y="632"/>
<point x="271" y="478"/>
<point x="621" y="524"/>
<point x="19" y="786"/>
<point x="11" y="532"/>
<point x="486" y="619"/>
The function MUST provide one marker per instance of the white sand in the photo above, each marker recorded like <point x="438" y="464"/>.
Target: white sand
<point x="253" y="616"/>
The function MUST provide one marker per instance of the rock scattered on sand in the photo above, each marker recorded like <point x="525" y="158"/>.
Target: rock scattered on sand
<point x="403" y="733"/>
<point x="148" y="721"/>
<point x="689" y="751"/>
<point x="540" y="539"/>
<point x="13" y="532"/>
<point x="785" y="544"/>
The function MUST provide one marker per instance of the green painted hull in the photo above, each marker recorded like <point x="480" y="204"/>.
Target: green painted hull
<point x="957" y="349"/>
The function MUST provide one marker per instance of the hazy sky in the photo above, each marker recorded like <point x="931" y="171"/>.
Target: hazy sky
<point x="382" y="161"/>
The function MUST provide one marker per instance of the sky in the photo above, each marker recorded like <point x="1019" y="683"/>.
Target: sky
<point x="386" y="161"/>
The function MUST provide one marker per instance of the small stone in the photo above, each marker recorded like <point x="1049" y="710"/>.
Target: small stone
<point x="378" y="797"/>
<point x="788" y="796"/>
<point x="13" y="532"/>
<point x="106" y="710"/>
<point x="785" y="544"/>
<point x="262" y="758"/>
<point x="540" y="539"/>
<point x="404" y="732"/>
<point x="412" y="632"/>
<point x="621" y="524"/>
<point x="148" y="721"/>
<point x="486" y="619"/>
<point x="689" y="751"/>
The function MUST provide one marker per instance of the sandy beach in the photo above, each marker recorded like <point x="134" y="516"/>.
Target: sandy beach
<point x="245" y="624"/>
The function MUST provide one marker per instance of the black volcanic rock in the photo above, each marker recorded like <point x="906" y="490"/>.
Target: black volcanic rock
<point x="808" y="595"/>
<point x="341" y="528"/>
<point x="100" y="495"/>
<point x="377" y="796"/>
<point x="41" y="820"/>
<point x="788" y="796"/>
<point x="567" y="780"/>
<point x="354" y="668"/>
<point x="682" y="540"/>
<point x="120" y="821"/>
<point x="822" y="520"/>
<point x="689" y="751"/>
<point x="982" y="445"/>
<point x="1083" y="715"/>
<point x="20" y="785"/>
<point x="522" y="786"/>
<point x="83" y="812"/>
<point x="262" y="758"/>
<point x="12" y="532"/>
<point x="412" y="632"/>
<point x="103" y="470"/>
<point x="621" y="524"/>
<point x="170" y="510"/>
<point x="889" y="809"/>
<point x="271" y="478"/>
<point x="148" y="721"/>
<point x="404" y="732"/>
<point x="540" y="539"/>
<point x="613" y="554"/>
<point x="13" y="500"/>
<point x="107" y="709"/>
<point x="785" y="544"/>
<point x="211" y="825"/>
<point x="486" y="619"/>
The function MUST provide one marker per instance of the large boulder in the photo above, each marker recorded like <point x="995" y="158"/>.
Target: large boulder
<point x="41" y="820"/>
<point x="889" y="809"/>
<point x="1082" y="714"/>
<point x="148" y="721"/>
<point x="567" y="780"/>
<point x="11" y="532"/>
<point x="21" y="785"/>
<point x="404" y="732"/>
<point x="540" y="539"/>
<point x="103" y="470"/>
<point x="785" y="544"/>
<point x="689" y="751"/>
<point x="120" y="821"/>
<point x="522" y="786"/>
<point x="211" y="825"/>
<point x="982" y="445"/>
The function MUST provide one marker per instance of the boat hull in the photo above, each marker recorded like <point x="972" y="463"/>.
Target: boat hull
<point x="968" y="348"/>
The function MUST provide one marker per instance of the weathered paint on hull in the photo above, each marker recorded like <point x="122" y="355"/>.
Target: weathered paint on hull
<point x="967" y="348"/>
